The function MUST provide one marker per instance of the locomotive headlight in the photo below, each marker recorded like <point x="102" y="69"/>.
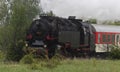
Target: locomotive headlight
<point x="45" y="46"/>
<point x="26" y="45"/>
<point x="59" y="47"/>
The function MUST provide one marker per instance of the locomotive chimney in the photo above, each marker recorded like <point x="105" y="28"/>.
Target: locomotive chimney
<point x="71" y="17"/>
<point x="74" y="18"/>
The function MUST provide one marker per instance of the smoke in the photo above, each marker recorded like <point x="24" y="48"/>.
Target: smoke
<point x="99" y="9"/>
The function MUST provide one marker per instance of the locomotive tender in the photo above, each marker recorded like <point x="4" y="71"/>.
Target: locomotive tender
<point x="71" y="35"/>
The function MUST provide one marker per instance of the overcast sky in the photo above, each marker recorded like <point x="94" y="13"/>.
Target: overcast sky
<point x="100" y="9"/>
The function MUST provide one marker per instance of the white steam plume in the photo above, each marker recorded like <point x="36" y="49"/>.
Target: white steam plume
<point x="99" y="9"/>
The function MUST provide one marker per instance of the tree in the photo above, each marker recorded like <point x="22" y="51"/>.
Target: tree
<point x="116" y="22"/>
<point x="21" y="15"/>
<point x="108" y="22"/>
<point x="3" y="11"/>
<point x="49" y="13"/>
<point x="93" y="21"/>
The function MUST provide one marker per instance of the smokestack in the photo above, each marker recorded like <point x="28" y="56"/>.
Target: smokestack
<point x="71" y="17"/>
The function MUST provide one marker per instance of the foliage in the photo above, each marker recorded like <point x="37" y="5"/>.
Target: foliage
<point x="110" y="22"/>
<point x="27" y="59"/>
<point x="116" y="23"/>
<point x="50" y="13"/>
<point x="3" y="11"/>
<point x="46" y="63"/>
<point x="68" y="65"/>
<point x="115" y="52"/>
<point x="34" y="66"/>
<point x="52" y="63"/>
<point x="15" y="53"/>
<point x="93" y="21"/>
<point x="12" y="34"/>
<point x="1" y="56"/>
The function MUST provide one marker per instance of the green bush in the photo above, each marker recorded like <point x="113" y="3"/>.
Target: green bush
<point x="27" y="59"/>
<point x="34" y="66"/>
<point x="115" y="52"/>
<point x="15" y="52"/>
<point x="54" y="61"/>
<point x="1" y="56"/>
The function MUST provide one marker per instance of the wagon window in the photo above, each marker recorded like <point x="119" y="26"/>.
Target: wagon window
<point x="108" y="38"/>
<point x="104" y="38"/>
<point x="117" y="39"/>
<point x="113" y="38"/>
<point x="98" y="38"/>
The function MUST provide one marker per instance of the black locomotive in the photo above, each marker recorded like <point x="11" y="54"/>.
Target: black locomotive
<point x="72" y="36"/>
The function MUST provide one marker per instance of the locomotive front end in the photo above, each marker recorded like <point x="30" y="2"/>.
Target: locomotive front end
<point x="35" y="38"/>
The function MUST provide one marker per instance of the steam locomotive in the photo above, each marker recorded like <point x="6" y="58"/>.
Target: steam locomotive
<point x="71" y="36"/>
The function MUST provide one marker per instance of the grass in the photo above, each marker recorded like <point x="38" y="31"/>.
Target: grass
<point x="68" y="65"/>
